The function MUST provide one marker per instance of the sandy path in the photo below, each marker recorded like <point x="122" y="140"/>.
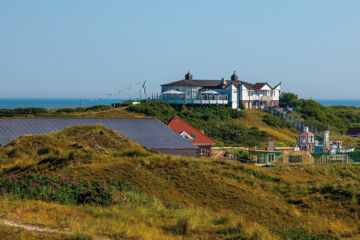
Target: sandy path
<point x="28" y="227"/>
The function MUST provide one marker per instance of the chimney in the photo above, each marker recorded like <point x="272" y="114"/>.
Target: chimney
<point x="188" y="76"/>
<point x="223" y="81"/>
<point x="234" y="77"/>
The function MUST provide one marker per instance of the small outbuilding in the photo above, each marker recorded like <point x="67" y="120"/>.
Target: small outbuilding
<point x="264" y="156"/>
<point x="193" y="135"/>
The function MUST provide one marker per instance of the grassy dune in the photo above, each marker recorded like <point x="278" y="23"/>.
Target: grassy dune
<point x="282" y="136"/>
<point x="224" y="199"/>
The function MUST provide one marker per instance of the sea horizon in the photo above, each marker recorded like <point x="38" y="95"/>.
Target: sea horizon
<point x="51" y="103"/>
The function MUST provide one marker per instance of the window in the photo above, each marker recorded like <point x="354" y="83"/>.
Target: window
<point x="193" y="135"/>
<point x="203" y="151"/>
<point x="295" y="159"/>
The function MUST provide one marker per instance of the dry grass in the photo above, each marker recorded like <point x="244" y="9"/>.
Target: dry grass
<point x="282" y="136"/>
<point x="348" y="142"/>
<point x="113" y="113"/>
<point x="326" y="199"/>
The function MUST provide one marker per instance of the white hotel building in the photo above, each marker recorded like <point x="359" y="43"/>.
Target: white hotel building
<point x="233" y="92"/>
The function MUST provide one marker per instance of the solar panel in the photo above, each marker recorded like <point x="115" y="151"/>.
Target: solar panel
<point x="147" y="132"/>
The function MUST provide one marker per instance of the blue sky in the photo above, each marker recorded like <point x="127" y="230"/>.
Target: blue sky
<point x="88" y="48"/>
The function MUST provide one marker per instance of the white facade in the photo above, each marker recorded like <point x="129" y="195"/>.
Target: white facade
<point x="234" y="92"/>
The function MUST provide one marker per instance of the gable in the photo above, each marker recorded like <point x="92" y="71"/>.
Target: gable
<point x="179" y="126"/>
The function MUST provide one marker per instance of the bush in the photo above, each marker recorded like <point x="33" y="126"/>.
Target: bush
<point x="160" y="110"/>
<point x="288" y="99"/>
<point x="275" y="121"/>
<point x="65" y="190"/>
<point x="126" y="103"/>
<point x="220" y="220"/>
<point x="300" y="233"/>
<point x="22" y="112"/>
<point x="131" y="153"/>
<point x="181" y="227"/>
<point x="43" y="151"/>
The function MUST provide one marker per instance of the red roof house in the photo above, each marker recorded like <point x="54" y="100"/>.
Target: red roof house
<point x="306" y="140"/>
<point x="193" y="135"/>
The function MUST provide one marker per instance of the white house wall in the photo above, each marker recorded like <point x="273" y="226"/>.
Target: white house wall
<point x="255" y="95"/>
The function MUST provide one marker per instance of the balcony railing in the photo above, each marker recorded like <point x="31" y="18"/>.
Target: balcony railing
<point x="222" y="99"/>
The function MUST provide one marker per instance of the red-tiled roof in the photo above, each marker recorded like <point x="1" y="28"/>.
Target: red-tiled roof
<point x="258" y="86"/>
<point x="178" y="125"/>
<point x="306" y="133"/>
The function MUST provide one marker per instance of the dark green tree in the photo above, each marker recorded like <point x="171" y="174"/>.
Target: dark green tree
<point x="288" y="99"/>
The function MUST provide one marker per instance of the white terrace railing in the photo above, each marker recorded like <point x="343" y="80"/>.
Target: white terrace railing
<point x="221" y="99"/>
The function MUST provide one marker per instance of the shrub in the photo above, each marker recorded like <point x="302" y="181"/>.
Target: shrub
<point x="173" y="205"/>
<point x="126" y="103"/>
<point x="22" y="112"/>
<point x="131" y="153"/>
<point x="220" y="220"/>
<point x="300" y="233"/>
<point x="13" y="153"/>
<point x="181" y="227"/>
<point x="275" y="121"/>
<point x="65" y="190"/>
<point x="43" y="151"/>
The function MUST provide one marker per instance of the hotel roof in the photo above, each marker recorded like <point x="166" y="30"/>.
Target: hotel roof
<point x="216" y="84"/>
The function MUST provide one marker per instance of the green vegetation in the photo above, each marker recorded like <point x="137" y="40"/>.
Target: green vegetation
<point x="301" y="233"/>
<point x="66" y="190"/>
<point x="224" y="199"/>
<point x="42" y="112"/>
<point x="216" y="121"/>
<point x="338" y="118"/>
<point x="276" y="122"/>
<point x="235" y="127"/>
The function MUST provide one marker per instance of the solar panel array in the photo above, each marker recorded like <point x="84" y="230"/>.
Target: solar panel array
<point x="147" y="132"/>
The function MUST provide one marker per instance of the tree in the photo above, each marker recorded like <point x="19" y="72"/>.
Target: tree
<point x="288" y="99"/>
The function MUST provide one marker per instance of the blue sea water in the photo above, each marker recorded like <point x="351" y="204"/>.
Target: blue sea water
<point x="12" y="103"/>
<point x="337" y="102"/>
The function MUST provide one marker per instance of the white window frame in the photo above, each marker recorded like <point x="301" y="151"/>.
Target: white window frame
<point x="203" y="151"/>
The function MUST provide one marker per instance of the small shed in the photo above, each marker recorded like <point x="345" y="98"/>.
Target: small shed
<point x="300" y="157"/>
<point x="264" y="156"/>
